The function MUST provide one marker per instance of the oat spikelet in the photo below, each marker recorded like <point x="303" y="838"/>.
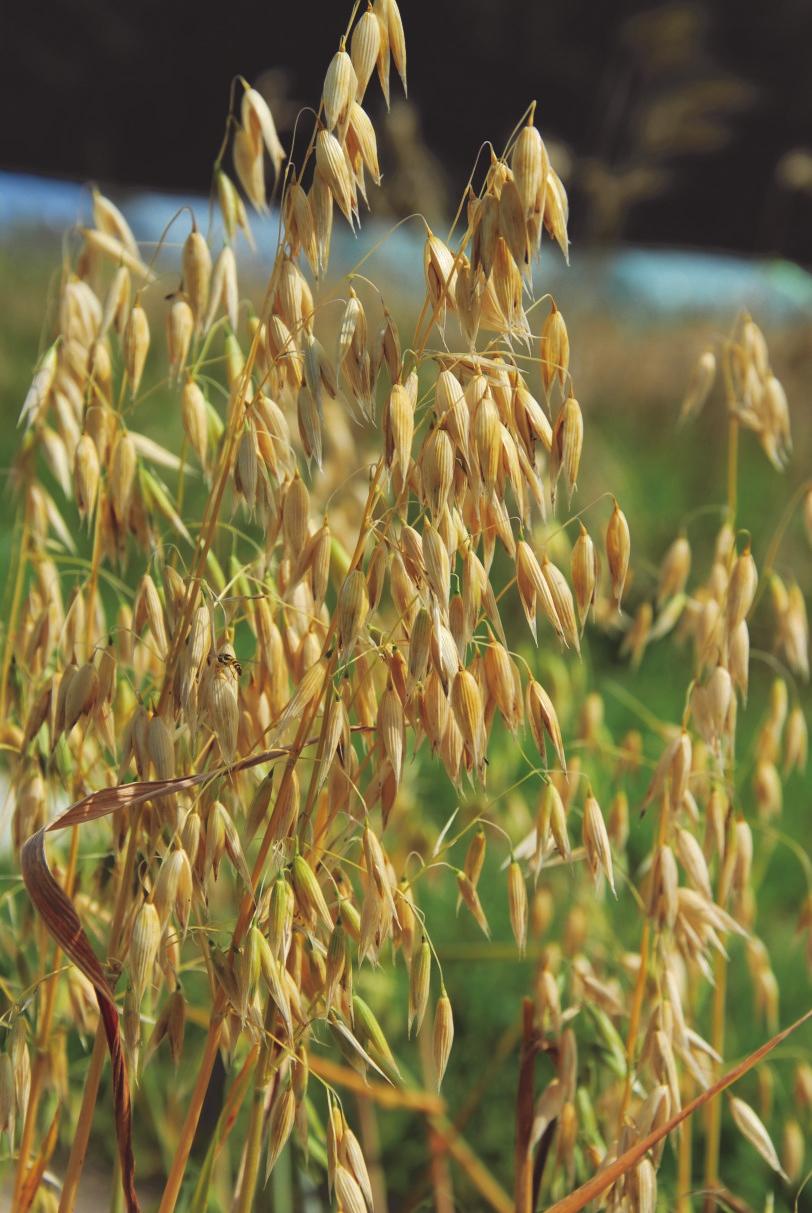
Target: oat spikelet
<point x="353" y="608"/>
<point x="555" y="349"/>
<point x="283" y="1114"/>
<point x="258" y="124"/>
<point x="752" y="1128"/>
<point x="443" y="1035"/>
<point x="596" y="841"/>
<point x="618" y="552"/>
<point x="136" y="346"/>
<point x="466" y="702"/>
<point x="144" y="948"/>
<point x="338" y="93"/>
<point x="419" y="979"/>
<point x="196" y="266"/>
<point x="365" y="45"/>
<point x="517" y="905"/>
<point x="585" y="571"/>
<point x="334" y="169"/>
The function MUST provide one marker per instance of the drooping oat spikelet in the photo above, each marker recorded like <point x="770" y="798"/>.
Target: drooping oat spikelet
<point x="196" y="266"/>
<point x="179" y="331"/>
<point x="419" y="979"/>
<point x="700" y="386"/>
<point x="674" y="569"/>
<point x="543" y="721"/>
<point x="86" y="473"/>
<point x="555" y="348"/>
<point x="618" y="552"/>
<point x="596" y="841"/>
<point x="353" y="608"/>
<point x="568" y="442"/>
<point x="219" y="697"/>
<point x="348" y="1191"/>
<point x="283" y="1114"/>
<point x="471" y="898"/>
<point x="258" y="124"/>
<point x="338" y="93"/>
<point x="443" y="1036"/>
<point x="517" y="905"/>
<point x="143" y="950"/>
<point x="250" y="169"/>
<point x="752" y="1128"/>
<point x="741" y="589"/>
<point x="36" y="397"/>
<point x="112" y="248"/>
<point x="399" y="427"/>
<point x="136" y="346"/>
<point x="466" y="703"/>
<point x="335" y="172"/>
<point x="585" y="570"/>
<point x="365" y="46"/>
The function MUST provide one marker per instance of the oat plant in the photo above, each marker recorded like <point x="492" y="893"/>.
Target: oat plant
<point x="280" y="617"/>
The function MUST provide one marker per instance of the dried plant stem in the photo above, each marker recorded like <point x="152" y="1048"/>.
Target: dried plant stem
<point x="384" y="1095"/>
<point x="684" y="1170"/>
<point x="177" y="1172"/>
<point x="714" y="1117"/>
<point x="640" y="986"/>
<point x="78" y="1153"/>
<point x="634" y="1021"/>
<point x="714" y="1123"/>
<point x="43" y="1035"/>
<point x="439" y="1169"/>
<point x="371" y="1144"/>
<point x="264" y="1074"/>
<point x="117" y="1195"/>
<point x="523" y="1197"/>
<point x="253" y="1143"/>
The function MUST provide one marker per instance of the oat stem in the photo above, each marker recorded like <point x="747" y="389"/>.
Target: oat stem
<point x="684" y="1172"/>
<point x="78" y="1153"/>
<point x="253" y="1143"/>
<point x="438" y="1168"/>
<point x="187" y="1134"/>
<point x="523" y="1192"/>
<point x="640" y="984"/>
<point x="714" y="1115"/>
<point x="634" y="1021"/>
<point x="39" y="1068"/>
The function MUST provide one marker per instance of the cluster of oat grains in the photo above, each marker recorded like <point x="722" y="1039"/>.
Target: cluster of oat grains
<point x="248" y="695"/>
